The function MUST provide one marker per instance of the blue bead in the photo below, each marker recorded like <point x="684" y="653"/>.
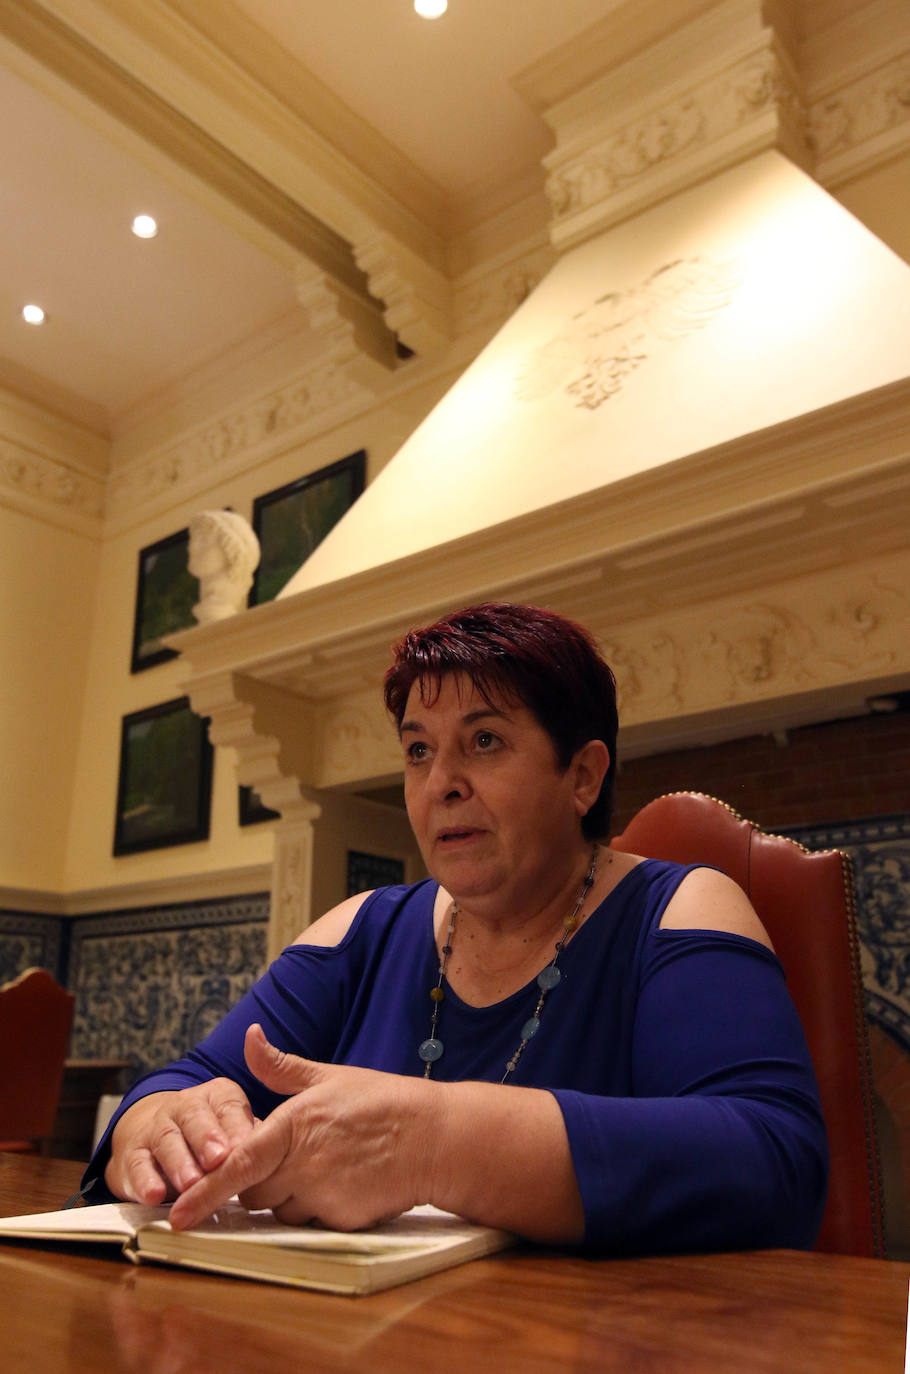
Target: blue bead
<point x="430" y="1051"/>
<point x="548" y="977"/>
<point x="530" y="1027"/>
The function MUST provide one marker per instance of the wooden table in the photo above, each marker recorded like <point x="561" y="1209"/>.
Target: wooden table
<point x="75" y="1308"/>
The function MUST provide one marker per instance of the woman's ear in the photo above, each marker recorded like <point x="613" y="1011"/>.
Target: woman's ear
<point x="590" y="764"/>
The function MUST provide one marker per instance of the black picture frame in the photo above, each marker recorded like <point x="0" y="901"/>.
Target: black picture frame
<point x="164" y="788"/>
<point x="251" y="809"/>
<point x="291" y="521"/>
<point x="166" y="592"/>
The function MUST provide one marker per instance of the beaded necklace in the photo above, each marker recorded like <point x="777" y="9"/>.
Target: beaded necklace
<point x="432" y="1048"/>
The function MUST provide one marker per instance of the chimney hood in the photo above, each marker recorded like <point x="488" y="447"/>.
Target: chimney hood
<point x="737" y="306"/>
<point x="693" y="436"/>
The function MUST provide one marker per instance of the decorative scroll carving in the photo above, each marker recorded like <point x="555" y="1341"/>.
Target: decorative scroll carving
<point x="601" y="345"/>
<point x="270" y="417"/>
<point x="49" y="481"/>
<point x="858" y="627"/>
<point x="817" y="633"/>
<point x="750" y="649"/>
<point x="864" y="110"/>
<point x="702" y="116"/>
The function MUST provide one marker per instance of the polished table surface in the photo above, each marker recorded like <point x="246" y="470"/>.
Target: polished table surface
<point x="82" y="1308"/>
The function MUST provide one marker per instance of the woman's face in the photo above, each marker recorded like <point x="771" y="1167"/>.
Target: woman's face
<point x="497" y="821"/>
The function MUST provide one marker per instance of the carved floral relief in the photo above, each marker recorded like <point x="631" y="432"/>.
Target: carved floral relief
<point x="697" y="119"/>
<point x="45" y="479"/>
<point x="230" y="437"/>
<point x="599" y="347"/>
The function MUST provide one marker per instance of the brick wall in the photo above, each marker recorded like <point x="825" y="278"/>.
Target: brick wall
<point x="839" y="771"/>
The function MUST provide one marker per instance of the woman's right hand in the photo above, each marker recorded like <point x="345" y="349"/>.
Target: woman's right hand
<point x="167" y="1141"/>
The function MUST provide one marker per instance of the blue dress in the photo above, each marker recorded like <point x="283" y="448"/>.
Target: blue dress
<point x="676" y="1056"/>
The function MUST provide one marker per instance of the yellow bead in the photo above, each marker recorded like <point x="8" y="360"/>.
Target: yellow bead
<point x="571" y="922"/>
<point x="437" y="994"/>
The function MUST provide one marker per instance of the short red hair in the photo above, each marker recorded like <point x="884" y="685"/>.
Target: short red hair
<point x="527" y="654"/>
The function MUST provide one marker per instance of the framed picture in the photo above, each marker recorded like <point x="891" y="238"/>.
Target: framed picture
<point x="165" y="785"/>
<point x="251" y="809"/>
<point x="166" y="592"/>
<point x="292" y="520"/>
<point x="366" y="871"/>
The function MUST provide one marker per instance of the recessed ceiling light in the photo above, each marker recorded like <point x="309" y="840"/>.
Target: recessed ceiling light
<point x="430" y="9"/>
<point x="144" y="227"/>
<point x="33" y="314"/>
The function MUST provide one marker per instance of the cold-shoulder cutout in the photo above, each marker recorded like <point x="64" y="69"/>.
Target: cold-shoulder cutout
<point x="331" y="928"/>
<point x="707" y="899"/>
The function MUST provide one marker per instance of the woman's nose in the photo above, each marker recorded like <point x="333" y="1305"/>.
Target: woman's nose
<point x="447" y="776"/>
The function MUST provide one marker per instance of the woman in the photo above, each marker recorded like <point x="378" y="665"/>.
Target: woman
<point x="581" y="1046"/>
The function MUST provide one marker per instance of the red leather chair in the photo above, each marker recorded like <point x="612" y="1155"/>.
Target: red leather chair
<point x="805" y="901"/>
<point x="36" y="1014"/>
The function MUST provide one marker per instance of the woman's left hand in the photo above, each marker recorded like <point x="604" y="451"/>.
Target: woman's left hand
<point x="351" y="1146"/>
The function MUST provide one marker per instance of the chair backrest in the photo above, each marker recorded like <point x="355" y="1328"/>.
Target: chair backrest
<point x="805" y="901"/>
<point x="36" y="1014"/>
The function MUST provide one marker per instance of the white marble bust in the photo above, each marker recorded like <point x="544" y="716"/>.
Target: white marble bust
<point x="224" y="553"/>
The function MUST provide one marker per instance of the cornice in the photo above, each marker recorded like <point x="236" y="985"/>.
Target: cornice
<point x="839" y="478"/>
<point x="50" y="467"/>
<point x="863" y="123"/>
<point x="49" y="490"/>
<point x="730" y="80"/>
<point x="607" y="169"/>
<point x="231" y="442"/>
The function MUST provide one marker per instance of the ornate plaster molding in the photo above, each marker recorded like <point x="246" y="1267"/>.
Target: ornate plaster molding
<point x="417" y="296"/>
<point x="488" y="298"/>
<point x="862" y="123"/>
<point x="725" y="666"/>
<point x="690" y="131"/>
<point x="226" y="443"/>
<point x="52" y="487"/>
<point x="836" y="633"/>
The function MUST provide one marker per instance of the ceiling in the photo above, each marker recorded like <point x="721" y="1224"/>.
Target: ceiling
<point x="127" y="319"/>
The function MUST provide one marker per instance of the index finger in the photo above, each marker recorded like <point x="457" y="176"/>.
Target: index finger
<point x="212" y="1124"/>
<point x="253" y="1160"/>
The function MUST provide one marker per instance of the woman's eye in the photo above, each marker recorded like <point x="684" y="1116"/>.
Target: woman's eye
<point x="416" y="752"/>
<point x="486" y="740"/>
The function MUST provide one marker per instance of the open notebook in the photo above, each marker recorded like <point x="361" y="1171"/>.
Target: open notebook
<point x="253" y="1245"/>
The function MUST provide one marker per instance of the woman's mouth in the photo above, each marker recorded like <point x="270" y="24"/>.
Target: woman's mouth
<point x="456" y="835"/>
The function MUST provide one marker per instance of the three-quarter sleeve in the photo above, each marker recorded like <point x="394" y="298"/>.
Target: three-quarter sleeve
<point x="721" y="1143"/>
<point x="300" y="1002"/>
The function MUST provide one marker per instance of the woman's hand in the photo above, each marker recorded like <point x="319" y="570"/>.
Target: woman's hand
<point x="168" y="1141"/>
<point x="349" y="1148"/>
